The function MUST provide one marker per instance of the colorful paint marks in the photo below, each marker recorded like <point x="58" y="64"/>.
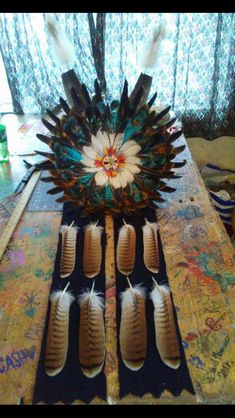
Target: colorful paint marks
<point x="16" y="359"/>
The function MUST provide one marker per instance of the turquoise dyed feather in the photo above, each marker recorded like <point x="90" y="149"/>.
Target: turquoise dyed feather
<point x="118" y="178"/>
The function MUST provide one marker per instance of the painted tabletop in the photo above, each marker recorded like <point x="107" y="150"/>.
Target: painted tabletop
<point x="201" y="272"/>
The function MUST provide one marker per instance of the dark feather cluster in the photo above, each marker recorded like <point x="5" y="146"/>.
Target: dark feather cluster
<point x="136" y="121"/>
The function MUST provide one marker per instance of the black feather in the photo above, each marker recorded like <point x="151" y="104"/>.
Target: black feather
<point x="51" y="128"/>
<point x="77" y="100"/>
<point x="162" y="114"/>
<point x="137" y="99"/>
<point x="86" y="95"/>
<point x="47" y="155"/>
<point x="180" y="164"/>
<point x="174" y="136"/>
<point x="152" y="100"/>
<point x="98" y="93"/>
<point x="49" y="179"/>
<point x="43" y="138"/>
<point x="64" y="106"/>
<point x="55" y="190"/>
<point x="178" y="150"/>
<point x="170" y="123"/>
<point x="53" y="117"/>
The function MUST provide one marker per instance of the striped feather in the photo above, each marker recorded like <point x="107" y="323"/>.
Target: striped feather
<point x="92" y="250"/>
<point x="68" y="250"/>
<point x="165" y="331"/>
<point x="58" y="330"/>
<point x="150" y="240"/>
<point x="133" y="331"/>
<point x="91" y="333"/>
<point x="126" y="248"/>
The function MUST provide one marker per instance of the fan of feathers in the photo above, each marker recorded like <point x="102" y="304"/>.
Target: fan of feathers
<point x="110" y="157"/>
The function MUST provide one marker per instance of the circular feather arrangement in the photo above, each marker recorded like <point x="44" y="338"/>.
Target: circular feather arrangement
<point x="111" y="157"/>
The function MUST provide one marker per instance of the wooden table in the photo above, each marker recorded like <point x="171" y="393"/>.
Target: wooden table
<point x="201" y="271"/>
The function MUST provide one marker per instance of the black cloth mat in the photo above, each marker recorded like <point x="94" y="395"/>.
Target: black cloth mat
<point x="71" y="384"/>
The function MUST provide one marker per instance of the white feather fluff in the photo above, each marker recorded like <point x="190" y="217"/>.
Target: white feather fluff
<point x="155" y="48"/>
<point x="96" y="298"/>
<point x="64" y="52"/>
<point x="65" y="301"/>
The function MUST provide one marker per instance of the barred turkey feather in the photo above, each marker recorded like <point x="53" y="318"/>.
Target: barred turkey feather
<point x="92" y="250"/>
<point x="165" y="330"/>
<point x="68" y="250"/>
<point x="91" y="333"/>
<point x="58" y="332"/>
<point x="133" y="330"/>
<point x="150" y="241"/>
<point x="126" y="248"/>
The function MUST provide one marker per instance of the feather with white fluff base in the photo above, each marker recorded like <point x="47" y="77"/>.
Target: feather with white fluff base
<point x="165" y="330"/>
<point x="133" y="331"/>
<point x="126" y="247"/>
<point x="150" y="240"/>
<point x="91" y="333"/>
<point x="92" y="250"/>
<point x="154" y="50"/>
<point x="63" y="49"/>
<point x="68" y="250"/>
<point x="58" y="330"/>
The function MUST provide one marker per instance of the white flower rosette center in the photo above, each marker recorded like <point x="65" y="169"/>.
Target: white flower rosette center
<point x="112" y="161"/>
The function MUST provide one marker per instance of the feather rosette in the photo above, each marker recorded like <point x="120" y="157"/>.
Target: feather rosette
<point x="111" y="157"/>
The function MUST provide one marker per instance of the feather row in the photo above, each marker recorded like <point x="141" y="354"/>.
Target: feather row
<point x="68" y="250"/>
<point x="126" y="248"/>
<point x="58" y="329"/>
<point x="92" y="250"/>
<point x="165" y="330"/>
<point x="133" y="331"/>
<point x="91" y="333"/>
<point x="150" y="240"/>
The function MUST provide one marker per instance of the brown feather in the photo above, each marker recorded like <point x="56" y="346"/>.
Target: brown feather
<point x="92" y="250"/>
<point x="126" y="247"/>
<point x="68" y="250"/>
<point x="91" y="333"/>
<point x="165" y="330"/>
<point x="58" y="328"/>
<point x="133" y="331"/>
<point x="150" y="240"/>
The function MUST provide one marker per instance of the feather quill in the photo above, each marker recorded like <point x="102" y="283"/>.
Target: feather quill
<point x="91" y="333"/>
<point x="154" y="51"/>
<point x="68" y="250"/>
<point x="63" y="49"/>
<point x="133" y="331"/>
<point x="58" y="330"/>
<point x="165" y="330"/>
<point x="150" y="240"/>
<point x="92" y="251"/>
<point x="126" y="248"/>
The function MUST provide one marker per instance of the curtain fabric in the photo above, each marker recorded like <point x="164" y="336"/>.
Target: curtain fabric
<point x="195" y="74"/>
